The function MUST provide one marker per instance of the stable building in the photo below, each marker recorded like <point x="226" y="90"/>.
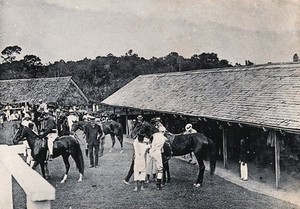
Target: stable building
<point x="261" y="103"/>
<point x="62" y="91"/>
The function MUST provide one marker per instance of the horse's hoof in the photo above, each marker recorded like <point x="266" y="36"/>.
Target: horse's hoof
<point x="197" y="185"/>
<point x="121" y="151"/>
<point x="110" y="150"/>
<point x="79" y="180"/>
<point x="62" y="182"/>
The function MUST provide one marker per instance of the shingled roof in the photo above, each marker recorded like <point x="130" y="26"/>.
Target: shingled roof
<point x="62" y="90"/>
<point x="262" y="95"/>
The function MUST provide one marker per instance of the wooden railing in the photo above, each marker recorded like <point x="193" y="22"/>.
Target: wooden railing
<point x="39" y="192"/>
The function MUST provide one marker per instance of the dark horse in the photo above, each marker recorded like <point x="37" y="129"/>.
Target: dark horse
<point x="182" y="144"/>
<point x="64" y="146"/>
<point x="111" y="127"/>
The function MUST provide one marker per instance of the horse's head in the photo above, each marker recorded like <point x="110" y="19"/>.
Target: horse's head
<point x="77" y="125"/>
<point x="19" y="135"/>
<point x="145" y="129"/>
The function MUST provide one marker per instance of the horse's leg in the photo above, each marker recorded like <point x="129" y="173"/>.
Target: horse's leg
<point x="167" y="168"/>
<point x="102" y="142"/>
<point x="113" y="140"/>
<point x="120" y="138"/>
<point x="42" y="165"/>
<point x="201" y="169"/>
<point x="79" y="163"/>
<point x="164" y="174"/>
<point x="67" y="165"/>
<point x="46" y="170"/>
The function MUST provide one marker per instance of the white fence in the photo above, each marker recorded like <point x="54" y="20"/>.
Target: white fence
<point x="39" y="192"/>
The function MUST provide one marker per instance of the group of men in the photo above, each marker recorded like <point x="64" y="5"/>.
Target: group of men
<point x="46" y="123"/>
<point x="148" y="158"/>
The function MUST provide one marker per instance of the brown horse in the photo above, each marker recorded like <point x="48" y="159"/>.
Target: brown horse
<point x="181" y="144"/>
<point x="63" y="146"/>
<point x="111" y="127"/>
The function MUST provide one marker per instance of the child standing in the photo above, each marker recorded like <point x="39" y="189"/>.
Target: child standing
<point x="140" y="150"/>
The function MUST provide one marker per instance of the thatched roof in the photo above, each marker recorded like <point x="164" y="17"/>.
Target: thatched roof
<point x="262" y="95"/>
<point x="62" y="90"/>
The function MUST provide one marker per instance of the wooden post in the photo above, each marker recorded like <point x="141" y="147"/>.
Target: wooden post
<point x="225" y="158"/>
<point x="126" y="122"/>
<point x="277" y="160"/>
<point x="6" y="195"/>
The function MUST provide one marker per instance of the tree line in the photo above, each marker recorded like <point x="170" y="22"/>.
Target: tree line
<point x="102" y="76"/>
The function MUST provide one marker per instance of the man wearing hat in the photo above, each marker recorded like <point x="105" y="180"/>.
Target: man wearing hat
<point x="72" y="118"/>
<point x="50" y="130"/>
<point x="161" y="128"/>
<point x="62" y="123"/>
<point x="139" y="118"/>
<point x="130" y="172"/>
<point x="93" y="135"/>
<point x="42" y="106"/>
<point x="189" y="130"/>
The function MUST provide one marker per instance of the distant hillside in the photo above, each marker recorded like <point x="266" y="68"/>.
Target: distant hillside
<point x="104" y="75"/>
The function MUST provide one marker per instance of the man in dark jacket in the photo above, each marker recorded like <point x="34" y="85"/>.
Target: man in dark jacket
<point x="62" y="125"/>
<point x="93" y="135"/>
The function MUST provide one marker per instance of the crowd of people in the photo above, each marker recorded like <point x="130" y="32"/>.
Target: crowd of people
<point x="48" y="123"/>
<point x="147" y="159"/>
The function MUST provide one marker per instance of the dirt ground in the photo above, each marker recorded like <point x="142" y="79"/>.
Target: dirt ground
<point x="103" y="188"/>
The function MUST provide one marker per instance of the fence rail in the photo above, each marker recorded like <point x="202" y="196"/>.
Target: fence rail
<point x="39" y="192"/>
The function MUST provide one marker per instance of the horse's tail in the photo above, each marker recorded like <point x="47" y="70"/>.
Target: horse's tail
<point x="78" y="158"/>
<point x="212" y="156"/>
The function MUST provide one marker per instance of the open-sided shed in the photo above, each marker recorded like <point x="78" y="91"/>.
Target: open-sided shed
<point x="266" y="96"/>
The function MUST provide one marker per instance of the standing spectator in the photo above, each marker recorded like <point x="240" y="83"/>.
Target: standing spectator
<point x="140" y="150"/>
<point x="93" y="134"/>
<point x="49" y="130"/>
<point x="42" y="106"/>
<point x="62" y="124"/>
<point x="130" y="172"/>
<point x="7" y="111"/>
<point x="243" y="159"/>
<point x="14" y="118"/>
<point x="156" y="153"/>
<point x="72" y="118"/>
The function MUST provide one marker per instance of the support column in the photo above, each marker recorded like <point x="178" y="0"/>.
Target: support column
<point x="225" y="157"/>
<point x="277" y="159"/>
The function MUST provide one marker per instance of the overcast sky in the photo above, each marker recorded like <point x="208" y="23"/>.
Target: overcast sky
<point x="258" y="30"/>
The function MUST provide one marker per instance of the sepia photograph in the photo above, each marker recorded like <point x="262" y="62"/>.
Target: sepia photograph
<point x="149" y="104"/>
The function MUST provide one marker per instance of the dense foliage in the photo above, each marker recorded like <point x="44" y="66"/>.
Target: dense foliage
<point x="102" y="76"/>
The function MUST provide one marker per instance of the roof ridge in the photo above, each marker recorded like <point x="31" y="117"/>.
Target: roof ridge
<point x="44" y="78"/>
<point x="226" y="69"/>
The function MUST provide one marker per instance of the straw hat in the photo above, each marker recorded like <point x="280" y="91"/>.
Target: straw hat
<point x="188" y="127"/>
